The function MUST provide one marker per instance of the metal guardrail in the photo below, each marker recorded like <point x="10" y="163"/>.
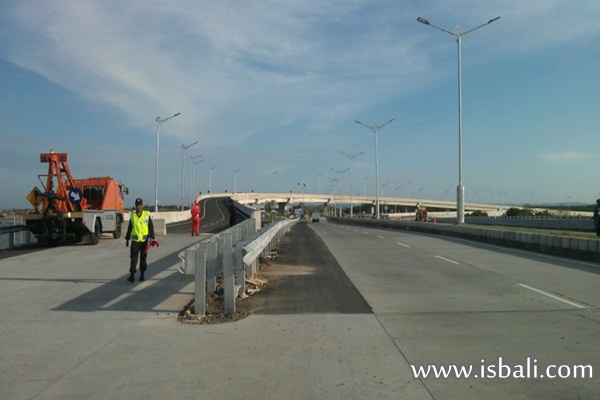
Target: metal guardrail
<point x="14" y="233"/>
<point x="233" y="254"/>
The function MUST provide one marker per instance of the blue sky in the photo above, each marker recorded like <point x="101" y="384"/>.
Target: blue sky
<point x="273" y="88"/>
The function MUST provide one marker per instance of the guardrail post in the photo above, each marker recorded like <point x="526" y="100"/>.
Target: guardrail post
<point x="190" y="261"/>
<point x="228" y="279"/>
<point x="240" y="274"/>
<point x="211" y="268"/>
<point x="200" y="280"/>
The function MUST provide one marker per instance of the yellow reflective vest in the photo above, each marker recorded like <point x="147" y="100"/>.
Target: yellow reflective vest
<point x="139" y="226"/>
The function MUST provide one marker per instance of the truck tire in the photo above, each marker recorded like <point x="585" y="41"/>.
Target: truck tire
<point x="119" y="228"/>
<point x="95" y="236"/>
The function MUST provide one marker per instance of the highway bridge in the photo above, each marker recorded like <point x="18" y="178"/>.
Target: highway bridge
<point x="331" y="200"/>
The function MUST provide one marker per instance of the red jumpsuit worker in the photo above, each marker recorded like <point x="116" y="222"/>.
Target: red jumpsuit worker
<point x="195" y="219"/>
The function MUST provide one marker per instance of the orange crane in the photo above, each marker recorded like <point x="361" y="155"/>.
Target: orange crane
<point x="80" y="209"/>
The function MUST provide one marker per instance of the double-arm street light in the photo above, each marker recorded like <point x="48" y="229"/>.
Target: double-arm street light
<point x="193" y="174"/>
<point x="333" y="186"/>
<point x="375" y="128"/>
<point x="350" y="157"/>
<point x="460" y="190"/>
<point x="340" y="173"/>
<point x="183" y="149"/>
<point x="159" y="122"/>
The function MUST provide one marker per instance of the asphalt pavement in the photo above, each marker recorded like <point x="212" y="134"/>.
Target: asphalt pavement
<point x="307" y="280"/>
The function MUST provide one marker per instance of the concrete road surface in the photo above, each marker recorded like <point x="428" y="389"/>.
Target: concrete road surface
<point x="73" y="328"/>
<point x="507" y="314"/>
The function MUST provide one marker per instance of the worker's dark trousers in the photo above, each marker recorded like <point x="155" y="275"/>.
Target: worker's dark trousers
<point x="138" y="249"/>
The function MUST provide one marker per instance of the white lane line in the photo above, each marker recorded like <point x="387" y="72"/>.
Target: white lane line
<point x="552" y="296"/>
<point x="402" y="244"/>
<point x="447" y="259"/>
<point x="380" y="237"/>
<point x="365" y="232"/>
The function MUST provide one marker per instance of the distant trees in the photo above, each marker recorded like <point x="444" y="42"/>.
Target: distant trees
<point x="519" y="212"/>
<point x="478" y="213"/>
<point x="527" y="211"/>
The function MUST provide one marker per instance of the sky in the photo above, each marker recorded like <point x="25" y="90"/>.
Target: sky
<point x="272" y="90"/>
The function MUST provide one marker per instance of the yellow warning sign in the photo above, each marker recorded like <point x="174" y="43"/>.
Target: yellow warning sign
<point x="34" y="197"/>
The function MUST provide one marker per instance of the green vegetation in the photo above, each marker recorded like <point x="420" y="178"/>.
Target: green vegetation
<point x="548" y="211"/>
<point x="478" y="213"/>
<point x="581" y="208"/>
<point x="520" y="212"/>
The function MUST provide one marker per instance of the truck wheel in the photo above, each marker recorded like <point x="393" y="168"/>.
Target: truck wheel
<point x="95" y="236"/>
<point x="119" y="229"/>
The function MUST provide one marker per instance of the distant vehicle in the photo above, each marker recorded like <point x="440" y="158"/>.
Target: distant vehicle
<point x="316" y="217"/>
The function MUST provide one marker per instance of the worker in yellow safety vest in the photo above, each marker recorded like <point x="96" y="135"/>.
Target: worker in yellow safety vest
<point x="139" y="231"/>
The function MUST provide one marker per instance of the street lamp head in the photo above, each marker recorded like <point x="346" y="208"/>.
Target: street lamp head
<point x="423" y="21"/>
<point x="493" y="19"/>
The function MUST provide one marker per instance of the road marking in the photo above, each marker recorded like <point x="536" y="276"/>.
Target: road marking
<point x="380" y="237"/>
<point x="552" y="296"/>
<point x="365" y="233"/>
<point x="447" y="259"/>
<point x="402" y="244"/>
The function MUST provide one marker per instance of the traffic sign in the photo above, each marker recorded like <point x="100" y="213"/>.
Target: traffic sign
<point x="34" y="197"/>
<point x="75" y="196"/>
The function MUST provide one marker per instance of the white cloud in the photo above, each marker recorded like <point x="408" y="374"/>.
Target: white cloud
<point x="243" y="68"/>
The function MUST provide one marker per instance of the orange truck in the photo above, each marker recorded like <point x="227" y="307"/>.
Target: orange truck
<point x="76" y="209"/>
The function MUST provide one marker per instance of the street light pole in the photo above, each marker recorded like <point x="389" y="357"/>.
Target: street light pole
<point x="333" y="186"/>
<point x="375" y="128"/>
<point x="194" y="163"/>
<point x="350" y="157"/>
<point x="183" y="149"/>
<point x="210" y="178"/>
<point x="193" y="173"/>
<point x="341" y="181"/>
<point x="159" y="122"/>
<point x="319" y="183"/>
<point x="274" y="173"/>
<point x="235" y="180"/>
<point x="460" y="190"/>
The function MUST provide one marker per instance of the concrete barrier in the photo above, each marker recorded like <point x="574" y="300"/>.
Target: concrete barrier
<point x="581" y="224"/>
<point x="572" y="247"/>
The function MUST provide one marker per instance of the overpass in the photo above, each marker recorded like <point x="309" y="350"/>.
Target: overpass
<point x="331" y="200"/>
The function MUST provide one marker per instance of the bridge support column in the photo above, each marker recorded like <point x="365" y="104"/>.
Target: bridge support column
<point x="282" y="206"/>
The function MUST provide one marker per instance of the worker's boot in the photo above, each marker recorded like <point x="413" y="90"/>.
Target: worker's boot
<point x="131" y="277"/>
<point x="142" y="277"/>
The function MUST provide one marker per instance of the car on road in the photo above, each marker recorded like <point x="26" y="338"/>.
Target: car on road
<point x="315" y="217"/>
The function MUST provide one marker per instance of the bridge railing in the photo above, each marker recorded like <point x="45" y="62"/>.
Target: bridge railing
<point x="232" y="254"/>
